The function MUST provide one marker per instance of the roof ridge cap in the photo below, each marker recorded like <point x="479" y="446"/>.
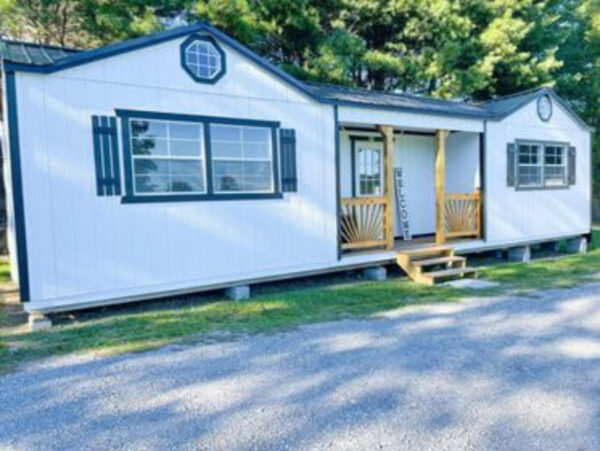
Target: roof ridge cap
<point x="397" y="94"/>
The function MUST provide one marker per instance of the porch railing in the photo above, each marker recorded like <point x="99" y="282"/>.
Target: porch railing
<point x="363" y="222"/>
<point x="462" y="213"/>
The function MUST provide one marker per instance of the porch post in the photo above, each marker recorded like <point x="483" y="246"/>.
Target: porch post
<point x="440" y="173"/>
<point x="387" y="132"/>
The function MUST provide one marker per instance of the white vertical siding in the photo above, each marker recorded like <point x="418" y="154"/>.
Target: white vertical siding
<point x="82" y="247"/>
<point x="513" y="215"/>
<point x="462" y="163"/>
<point x="416" y="154"/>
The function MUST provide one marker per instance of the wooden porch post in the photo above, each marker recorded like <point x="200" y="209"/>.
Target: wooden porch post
<point x="387" y="133"/>
<point x="440" y="173"/>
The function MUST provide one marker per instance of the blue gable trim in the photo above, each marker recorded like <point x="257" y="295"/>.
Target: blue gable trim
<point x="107" y="51"/>
<point x="146" y="41"/>
<point x="520" y="99"/>
<point x="486" y="110"/>
<point x="17" y="186"/>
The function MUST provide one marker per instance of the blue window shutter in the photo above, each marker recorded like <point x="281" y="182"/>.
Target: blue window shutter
<point x="106" y="156"/>
<point x="287" y="145"/>
<point x="511" y="164"/>
<point x="571" y="166"/>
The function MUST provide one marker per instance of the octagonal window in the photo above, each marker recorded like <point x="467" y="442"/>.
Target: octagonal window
<point x="203" y="59"/>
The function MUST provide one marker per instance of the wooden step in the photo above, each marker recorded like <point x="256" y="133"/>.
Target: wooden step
<point x="438" y="261"/>
<point x="427" y="251"/>
<point x="432" y="277"/>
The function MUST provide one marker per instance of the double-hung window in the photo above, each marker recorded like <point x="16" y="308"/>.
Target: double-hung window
<point x="186" y="157"/>
<point x="555" y="165"/>
<point x="167" y="157"/>
<point x="529" y="172"/>
<point x="242" y="158"/>
<point x="541" y="165"/>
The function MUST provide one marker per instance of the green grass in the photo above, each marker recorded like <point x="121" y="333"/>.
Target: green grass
<point x="143" y="327"/>
<point x="4" y="272"/>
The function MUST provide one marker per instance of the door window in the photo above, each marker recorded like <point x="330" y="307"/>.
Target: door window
<point x="369" y="171"/>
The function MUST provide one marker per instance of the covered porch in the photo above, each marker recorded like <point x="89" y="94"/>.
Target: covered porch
<point x="407" y="188"/>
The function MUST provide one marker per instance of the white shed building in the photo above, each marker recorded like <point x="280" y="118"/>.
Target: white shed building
<point x="182" y="162"/>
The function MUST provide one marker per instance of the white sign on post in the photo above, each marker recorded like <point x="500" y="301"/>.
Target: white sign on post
<point x="401" y="206"/>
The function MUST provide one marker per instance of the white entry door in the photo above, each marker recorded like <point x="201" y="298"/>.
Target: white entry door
<point x="368" y="168"/>
<point x="416" y="155"/>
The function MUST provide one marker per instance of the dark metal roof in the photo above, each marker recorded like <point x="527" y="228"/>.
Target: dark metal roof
<point x="360" y="96"/>
<point x="32" y="54"/>
<point x="503" y="106"/>
<point x="507" y="104"/>
<point x="22" y="56"/>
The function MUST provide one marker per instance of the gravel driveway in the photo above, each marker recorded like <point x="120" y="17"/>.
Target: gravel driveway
<point x="497" y="373"/>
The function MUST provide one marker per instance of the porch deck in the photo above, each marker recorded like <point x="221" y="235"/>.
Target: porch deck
<point x="365" y="257"/>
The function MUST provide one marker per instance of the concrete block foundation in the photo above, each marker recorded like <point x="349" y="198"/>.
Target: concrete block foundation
<point x="577" y="245"/>
<point x="375" y="273"/>
<point x="238" y="292"/>
<point x="38" y="322"/>
<point x="519" y="254"/>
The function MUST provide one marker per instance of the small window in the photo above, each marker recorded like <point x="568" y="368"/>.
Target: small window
<point x="369" y="171"/>
<point x="203" y="59"/>
<point x="167" y="157"/>
<point x="555" y="166"/>
<point x="541" y="165"/>
<point x="529" y="165"/>
<point x="242" y="158"/>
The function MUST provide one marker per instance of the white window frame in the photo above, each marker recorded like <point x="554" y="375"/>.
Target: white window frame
<point x="271" y="188"/>
<point x="193" y="49"/>
<point x="564" y="165"/>
<point x="542" y="145"/>
<point x="367" y="145"/>
<point x="201" y="158"/>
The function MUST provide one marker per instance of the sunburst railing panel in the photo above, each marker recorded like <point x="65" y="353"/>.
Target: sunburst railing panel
<point x="462" y="215"/>
<point x="363" y="222"/>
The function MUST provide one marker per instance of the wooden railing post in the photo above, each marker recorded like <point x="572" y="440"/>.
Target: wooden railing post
<point x="440" y="174"/>
<point x="387" y="132"/>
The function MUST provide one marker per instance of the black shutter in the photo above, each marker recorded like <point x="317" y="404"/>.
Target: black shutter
<point x="287" y="144"/>
<point x="106" y="156"/>
<point x="571" y="166"/>
<point x="511" y="164"/>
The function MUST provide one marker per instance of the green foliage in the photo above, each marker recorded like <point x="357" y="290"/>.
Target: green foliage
<point x="470" y="49"/>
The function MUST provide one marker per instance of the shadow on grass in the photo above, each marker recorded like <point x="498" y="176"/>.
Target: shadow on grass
<point x="141" y="328"/>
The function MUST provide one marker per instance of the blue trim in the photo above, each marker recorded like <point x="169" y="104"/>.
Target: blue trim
<point x="97" y="155"/>
<point x="208" y="156"/>
<point x="131" y="197"/>
<point x="146" y="41"/>
<point x="137" y="199"/>
<point x="108" y="51"/>
<point x="193" y="118"/>
<point x="106" y="158"/>
<point x="114" y="149"/>
<point x="353" y="166"/>
<point x="127" y="156"/>
<point x="338" y="186"/>
<point x="196" y="37"/>
<point x="534" y="95"/>
<point x="287" y="150"/>
<point x="17" y="186"/>
<point x="275" y="158"/>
